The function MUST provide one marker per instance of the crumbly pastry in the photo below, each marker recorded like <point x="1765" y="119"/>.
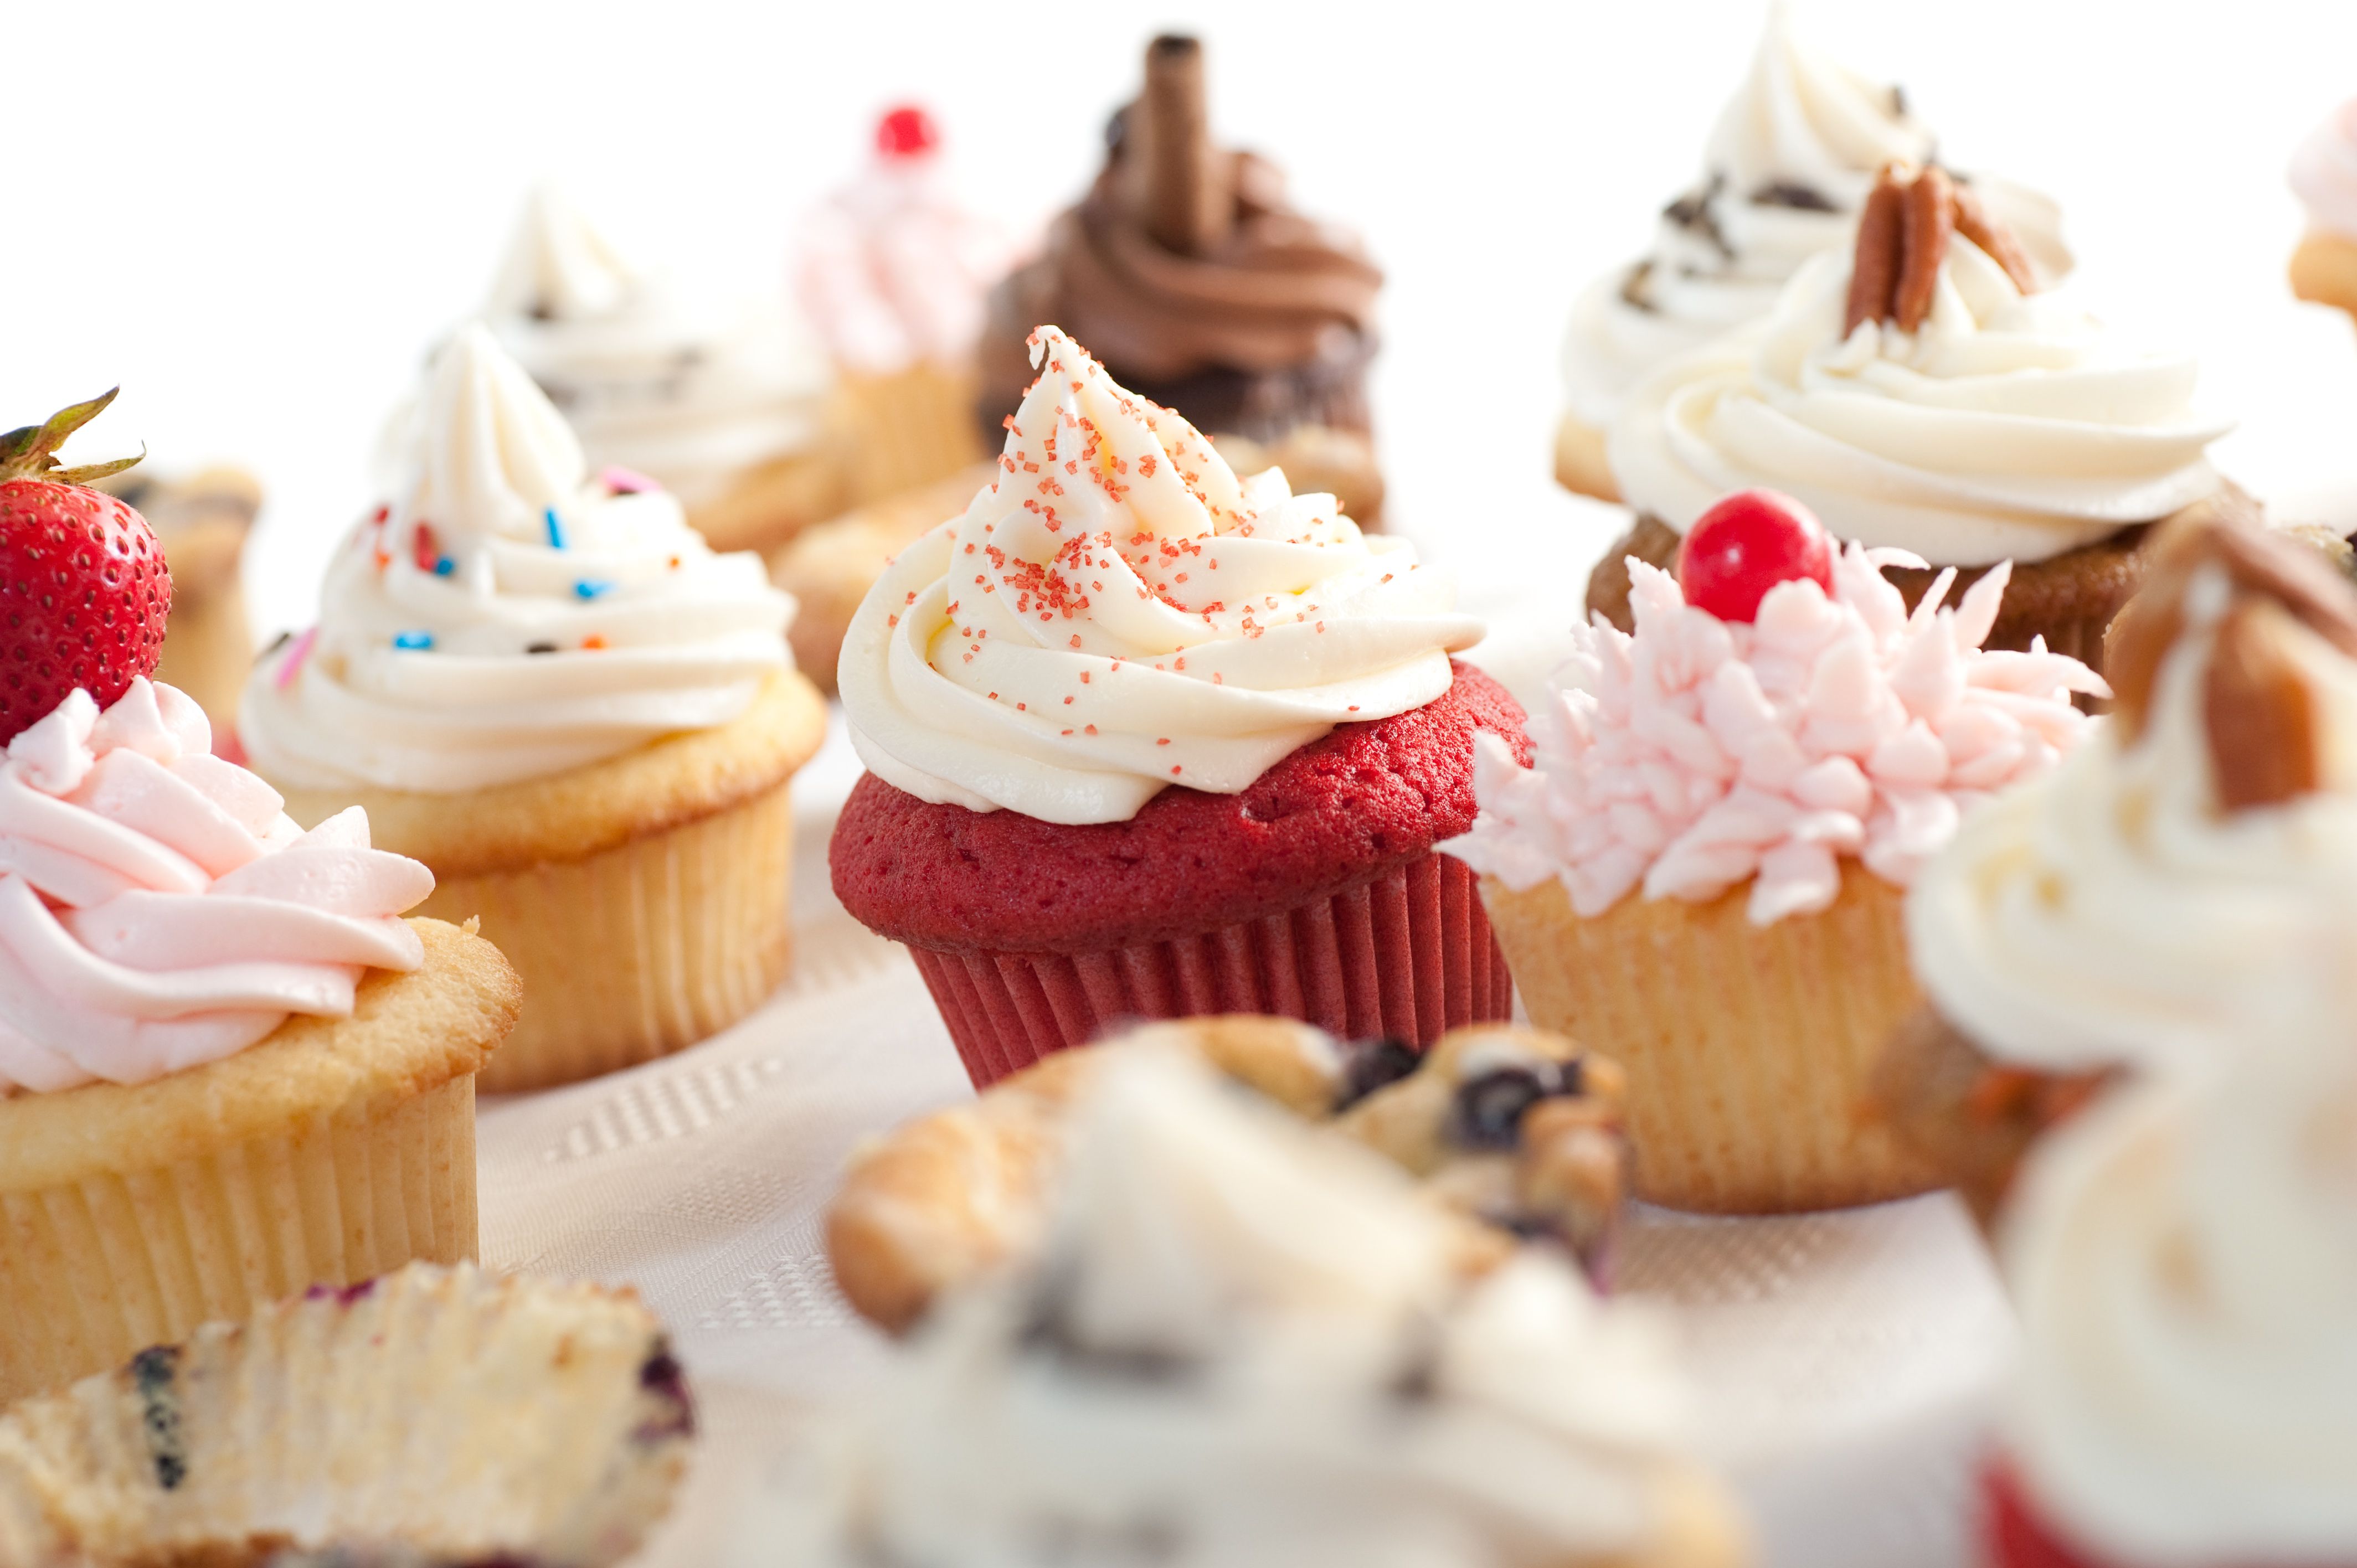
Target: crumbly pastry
<point x="1789" y="167"/>
<point x="1187" y="270"/>
<point x="1514" y="1127"/>
<point x="551" y="690"/>
<point x="1245" y="1342"/>
<point x="892" y="274"/>
<point x="728" y="409"/>
<point x="1145" y="739"/>
<point x="2166" y="890"/>
<point x="431" y="1417"/>
<point x="2184" y="1267"/>
<point x="2324" y="175"/>
<point x="1889" y="393"/>
<point x="228" y="1070"/>
<point x="203" y="521"/>
<point x="1698" y="874"/>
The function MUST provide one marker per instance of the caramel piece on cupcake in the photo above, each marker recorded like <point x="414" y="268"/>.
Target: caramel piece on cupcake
<point x="1888" y="391"/>
<point x="1515" y="1129"/>
<point x="2147" y="901"/>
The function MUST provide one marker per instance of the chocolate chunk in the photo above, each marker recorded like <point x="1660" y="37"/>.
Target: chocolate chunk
<point x="661" y="1375"/>
<point x="1489" y="1109"/>
<point x="155" y="1374"/>
<point x="1693" y="213"/>
<point x="539" y="648"/>
<point x="1792" y="193"/>
<point x="1373" y="1065"/>
<point x="1633" y="290"/>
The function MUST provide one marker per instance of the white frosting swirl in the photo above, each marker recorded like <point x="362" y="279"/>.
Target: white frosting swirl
<point x="1115" y="612"/>
<point x="1788" y="166"/>
<point x="2183" y="1257"/>
<point x="650" y="380"/>
<point x="2324" y="173"/>
<point x="1250" y="1345"/>
<point x="505" y="617"/>
<point x="158" y="911"/>
<point x="894" y="271"/>
<point x="2110" y="912"/>
<point x="2008" y="426"/>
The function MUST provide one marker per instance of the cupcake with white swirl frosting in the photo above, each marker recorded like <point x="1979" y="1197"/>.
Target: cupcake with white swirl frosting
<point x="1147" y="740"/>
<point x="2324" y="176"/>
<point x="1788" y="167"/>
<point x="1923" y="391"/>
<point x="547" y="687"/>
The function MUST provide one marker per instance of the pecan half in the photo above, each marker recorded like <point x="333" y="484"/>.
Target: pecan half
<point x="1998" y="241"/>
<point x="1875" y="271"/>
<point x="1926" y="221"/>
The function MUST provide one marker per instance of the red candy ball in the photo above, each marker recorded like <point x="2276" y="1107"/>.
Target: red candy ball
<point x="905" y="131"/>
<point x="1746" y="545"/>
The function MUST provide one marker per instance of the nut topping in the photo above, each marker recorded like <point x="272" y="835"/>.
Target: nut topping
<point x="1903" y="241"/>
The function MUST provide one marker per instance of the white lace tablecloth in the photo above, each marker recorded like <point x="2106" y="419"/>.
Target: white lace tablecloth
<point x="1847" y="1359"/>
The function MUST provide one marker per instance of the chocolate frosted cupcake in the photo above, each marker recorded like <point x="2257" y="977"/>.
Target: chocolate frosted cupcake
<point x="1788" y="166"/>
<point x="1187" y="271"/>
<point x="1921" y="392"/>
<point x="2161" y="892"/>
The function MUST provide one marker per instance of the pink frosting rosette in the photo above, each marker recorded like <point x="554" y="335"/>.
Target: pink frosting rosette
<point x="159" y="910"/>
<point x="1700" y="753"/>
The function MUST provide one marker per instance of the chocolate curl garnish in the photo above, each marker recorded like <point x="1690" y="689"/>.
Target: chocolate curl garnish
<point x="1180" y="186"/>
<point x="1902" y="241"/>
<point x="2257" y="706"/>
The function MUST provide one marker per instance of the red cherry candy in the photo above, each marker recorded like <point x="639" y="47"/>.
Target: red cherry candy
<point x="905" y="131"/>
<point x="1746" y="545"/>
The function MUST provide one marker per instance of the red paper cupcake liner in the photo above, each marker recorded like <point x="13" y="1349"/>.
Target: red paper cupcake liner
<point x="2013" y="1535"/>
<point x="1409" y="954"/>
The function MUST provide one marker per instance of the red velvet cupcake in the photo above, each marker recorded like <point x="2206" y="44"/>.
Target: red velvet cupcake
<point x="1145" y="740"/>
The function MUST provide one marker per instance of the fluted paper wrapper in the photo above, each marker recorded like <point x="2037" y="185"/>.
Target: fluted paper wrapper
<point x="1409" y="954"/>
<point x="461" y="1417"/>
<point x="94" y="1271"/>
<point x="1748" y="1048"/>
<point x="638" y="951"/>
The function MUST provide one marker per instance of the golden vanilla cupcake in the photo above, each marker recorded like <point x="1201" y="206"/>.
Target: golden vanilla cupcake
<point x="1701" y="873"/>
<point x="1513" y="1128"/>
<point x="726" y="406"/>
<point x="2155" y="896"/>
<point x="1788" y="168"/>
<point x="431" y="1417"/>
<point x="228" y="1070"/>
<point x="1244" y="1341"/>
<point x="549" y="689"/>
<point x="1922" y="390"/>
<point x="892" y="274"/>
<point x="2324" y="176"/>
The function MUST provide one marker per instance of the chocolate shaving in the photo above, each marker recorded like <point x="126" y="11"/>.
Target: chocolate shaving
<point x="1791" y="193"/>
<point x="1693" y="213"/>
<point x="1181" y="186"/>
<point x="1635" y="288"/>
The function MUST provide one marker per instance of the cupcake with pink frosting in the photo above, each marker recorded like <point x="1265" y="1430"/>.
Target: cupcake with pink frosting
<point x="229" y="1069"/>
<point x="893" y="273"/>
<point x="1701" y="872"/>
<point x="2324" y="176"/>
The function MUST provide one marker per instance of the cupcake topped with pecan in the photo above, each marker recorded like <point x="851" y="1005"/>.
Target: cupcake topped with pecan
<point x="1923" y="391"/>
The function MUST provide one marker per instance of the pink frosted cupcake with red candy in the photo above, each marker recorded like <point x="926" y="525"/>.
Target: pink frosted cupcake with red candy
<point x="1145" y="740"/>
<point x="1700" y="872"/>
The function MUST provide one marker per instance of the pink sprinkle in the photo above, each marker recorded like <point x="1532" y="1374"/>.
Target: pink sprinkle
<point x="622" y="481"/>
<point x="292" y="665"/>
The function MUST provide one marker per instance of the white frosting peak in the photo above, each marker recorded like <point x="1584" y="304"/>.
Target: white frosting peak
<point x="505" y="616"/>
<point x="1116" y="612"/>
<point x="560" y="267"/>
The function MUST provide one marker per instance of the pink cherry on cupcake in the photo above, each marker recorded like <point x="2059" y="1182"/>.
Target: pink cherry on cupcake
<point x="1746" y="545"/>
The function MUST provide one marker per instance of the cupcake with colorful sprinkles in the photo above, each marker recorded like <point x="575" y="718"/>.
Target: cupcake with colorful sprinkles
<point x="1147" y="740"/>
<point x="546" y="686"/>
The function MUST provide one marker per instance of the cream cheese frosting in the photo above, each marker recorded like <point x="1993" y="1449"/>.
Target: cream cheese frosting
<point x="652" y="379"/>
<point x="2184" y="1258"/>
<point x="2111" y="912"/>
<point x="1700" y="754"/>
<point x="894" y="271"/>
<point x="1788" y="166"/>
<point x="503" y="615"/>
<point x="2324" y="173"/>
<point x="1250" y="1343"/>
<point x="159" y="911"/>
<point x="2009" y="426"/>
<point x="1116" y="612"/>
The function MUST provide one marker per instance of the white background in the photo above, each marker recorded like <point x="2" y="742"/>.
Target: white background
<point x="256" y="217"/>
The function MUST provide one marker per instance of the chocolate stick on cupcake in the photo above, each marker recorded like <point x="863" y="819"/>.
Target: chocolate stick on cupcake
<point x="1144" y="739"/>
<point x="1200" y="287"/>
<point x="1922" y="392"/>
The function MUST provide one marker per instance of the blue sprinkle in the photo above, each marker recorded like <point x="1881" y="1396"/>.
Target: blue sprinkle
<point x="555" y="529"/>
<point x="592" y="588"/>
<point x="415" y="640"/>
<point x="444" y="566"/>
